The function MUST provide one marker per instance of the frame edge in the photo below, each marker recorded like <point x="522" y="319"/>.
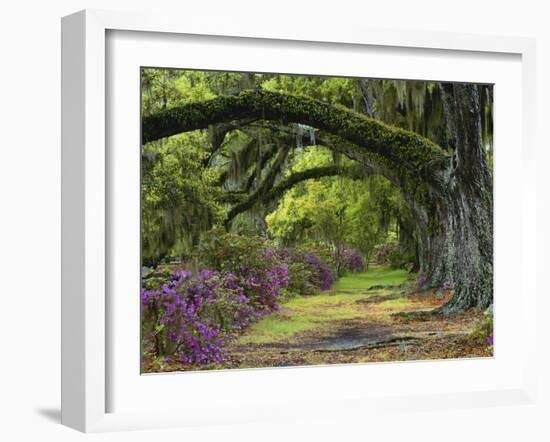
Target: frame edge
<point x="83" y="186"/>
<point x="83" y="345"/>
<point x="73" y="81"/>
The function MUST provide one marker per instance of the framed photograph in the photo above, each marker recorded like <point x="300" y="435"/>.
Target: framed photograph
<point x="286" y="223"/>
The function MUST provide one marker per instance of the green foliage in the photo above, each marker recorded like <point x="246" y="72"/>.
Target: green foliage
<point x="375" y="276"/>
<point x="231" y="252"/>
<point x="300" y="276"/>
<point x="156" y="278"/>
<point x="372" y="214"/>
<point x="341" y="91"/>
<point x="392" y="253"/>
<point x="178" y="197"/>
<point x="335" y="211"/>
<point x="484" y="330"/>
<point x="313" y="211"/>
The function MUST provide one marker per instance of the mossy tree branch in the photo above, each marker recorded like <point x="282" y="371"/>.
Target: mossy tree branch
<point x="267" y="192"/>
<point x="404" y="149"/>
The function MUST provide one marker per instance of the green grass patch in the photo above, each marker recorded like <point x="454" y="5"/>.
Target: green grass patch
<point x="399" y="302"/>
<point x="276" y="329"/>
<point x="376" y="275"/>
<point x="305" y="313"/>
<point x="325" y="299"/>
<point x="302" y="314"/>
<point x="325" y="308"/>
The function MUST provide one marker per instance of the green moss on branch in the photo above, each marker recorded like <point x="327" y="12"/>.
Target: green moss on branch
<point x="403" y="148"/>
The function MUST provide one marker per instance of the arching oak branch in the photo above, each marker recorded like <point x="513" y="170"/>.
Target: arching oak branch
<point x="266" y="193"/>
<point x="404" y="149"/>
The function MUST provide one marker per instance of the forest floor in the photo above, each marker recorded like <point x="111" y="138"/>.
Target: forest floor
<point x="366" y="317"/>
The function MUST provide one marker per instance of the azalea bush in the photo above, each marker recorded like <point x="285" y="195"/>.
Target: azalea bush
<point x="307" y="272"/>
<point x="322" y="275"/>
<point x="260" y="261"/>
<point x="261" y="271"/>
<point x="300" y="279"/>
<point x="185" y="315"/>
<point x="174" y="324"/>
<point x="345" y="259"/>
<point x="352" y="260"/>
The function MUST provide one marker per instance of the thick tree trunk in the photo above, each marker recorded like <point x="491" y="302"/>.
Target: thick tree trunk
<point x="467" y="251"/>
<point x="460" y="245"/>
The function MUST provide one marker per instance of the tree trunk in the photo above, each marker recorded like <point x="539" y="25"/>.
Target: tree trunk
<point x="461" y="244"/>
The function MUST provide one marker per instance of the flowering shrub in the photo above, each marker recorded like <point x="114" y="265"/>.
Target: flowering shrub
<point x="263" y="286"/>
<point x="307" y="272"/>
<point x="185" y="317"/>
<point x="352" y="260"/>
<point x="346" y="260"/>
<point x="261" y="272"/>
<point x="300" y="278"/>
<point x="324" y="252"/>
<point x="172" y="324"/>
<point x="322" y="275"/>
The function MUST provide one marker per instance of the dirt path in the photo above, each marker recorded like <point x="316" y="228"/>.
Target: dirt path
<point x="356" y="322"/>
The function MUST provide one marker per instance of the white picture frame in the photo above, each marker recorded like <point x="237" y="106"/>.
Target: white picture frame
<point x="86" y="351"/>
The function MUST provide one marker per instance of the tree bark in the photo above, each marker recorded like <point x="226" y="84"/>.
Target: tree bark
<point x="465" y="241"/>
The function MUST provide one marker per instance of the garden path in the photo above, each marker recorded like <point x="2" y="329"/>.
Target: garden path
<point x="362" y="319"/>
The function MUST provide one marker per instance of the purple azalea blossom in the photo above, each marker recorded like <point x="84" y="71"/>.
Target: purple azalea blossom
<point x="178" y="318"/>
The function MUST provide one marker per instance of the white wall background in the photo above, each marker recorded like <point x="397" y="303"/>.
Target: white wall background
<point x="30" y="214"/>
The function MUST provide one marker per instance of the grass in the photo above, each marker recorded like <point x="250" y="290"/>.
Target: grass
<point x="301" y="314"/>
<point x="310" y="312"/>
<point x="275" y="329"/>
<point x="376" y="275"/>
<point x="395" y="303"/>
<point x="325" y="307"/>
